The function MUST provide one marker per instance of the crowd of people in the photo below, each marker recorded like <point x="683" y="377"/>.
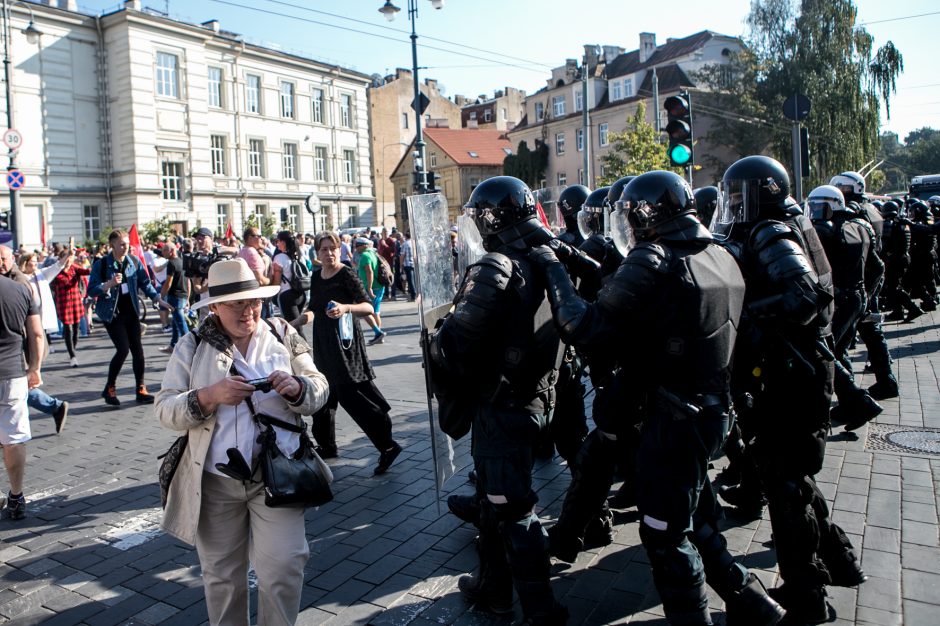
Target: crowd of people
<point x="706" y="321"/>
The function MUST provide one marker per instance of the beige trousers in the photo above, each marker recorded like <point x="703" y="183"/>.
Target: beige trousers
<point x="235" y="526"/>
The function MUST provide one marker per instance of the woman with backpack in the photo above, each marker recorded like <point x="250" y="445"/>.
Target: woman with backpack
<point x="290" y="271"/>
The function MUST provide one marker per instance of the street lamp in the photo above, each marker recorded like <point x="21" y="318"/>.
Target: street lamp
<point x="389" y="10"/>
<point x="32" y="36"/>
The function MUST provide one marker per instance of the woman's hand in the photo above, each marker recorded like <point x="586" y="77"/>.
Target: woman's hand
<point x="337" y="310"/>
<point x="230" y="391"/>
<point x="285" y="384"/>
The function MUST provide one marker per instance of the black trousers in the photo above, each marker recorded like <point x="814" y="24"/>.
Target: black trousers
<point x="70" y="334"/>
<point x="124" y="331"/>
<point x="291" y="304"/>
<point x="365" y="404"/>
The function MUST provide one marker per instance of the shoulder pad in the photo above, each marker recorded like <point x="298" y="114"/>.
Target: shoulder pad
<point x="498" y="261"/>
<point x="767" y="232"/>
<point x="650" y="255"/>
<point x="494" y="269"/>
<point x="863" y="223"/>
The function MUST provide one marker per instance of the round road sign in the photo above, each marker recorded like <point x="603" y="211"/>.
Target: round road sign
<point x="12" y="139"/>
<point x="15" y="179"/>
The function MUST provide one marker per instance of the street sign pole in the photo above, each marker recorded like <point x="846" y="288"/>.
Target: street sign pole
<point x="14" y="213"/>
<point x="797" y="167"/>
<point x="797" y="108"/>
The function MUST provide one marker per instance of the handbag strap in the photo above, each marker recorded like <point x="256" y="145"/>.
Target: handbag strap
<point x="267" y="420"/>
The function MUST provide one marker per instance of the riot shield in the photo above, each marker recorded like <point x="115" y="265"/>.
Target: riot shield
<point x="469" y="245"/>
<point x="435" y="284"/>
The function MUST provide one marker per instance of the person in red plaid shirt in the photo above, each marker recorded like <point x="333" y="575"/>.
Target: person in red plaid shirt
<point x="66" y="290"/>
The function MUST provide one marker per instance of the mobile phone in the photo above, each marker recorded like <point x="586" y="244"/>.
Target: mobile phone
<point x="261" y="384"/>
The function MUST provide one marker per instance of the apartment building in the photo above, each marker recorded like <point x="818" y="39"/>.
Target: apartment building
<point x="130" y="116"/>
<point x="616" y="81"/>
<point x="501" y="112"/>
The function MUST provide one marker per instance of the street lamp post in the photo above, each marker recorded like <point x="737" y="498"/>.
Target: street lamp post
<point x="389" y="10"/>
<point x="32" y="35"/>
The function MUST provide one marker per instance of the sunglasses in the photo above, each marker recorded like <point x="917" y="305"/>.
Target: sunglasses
<point x="237" y="467"/>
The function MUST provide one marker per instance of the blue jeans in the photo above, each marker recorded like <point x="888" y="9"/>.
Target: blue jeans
<point x="410" y="277"/>
<point x="177" y="319"/>
<point x="42" y="401"/>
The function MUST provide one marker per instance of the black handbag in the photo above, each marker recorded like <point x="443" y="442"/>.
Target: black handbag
<point x="169" y="464"/>
<point x="298" y="480"/>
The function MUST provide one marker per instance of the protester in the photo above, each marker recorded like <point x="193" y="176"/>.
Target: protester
<point x="114" y="281"/>
<point x="19" y="324"/>
<point x="408" y="265"/>
<point x="289" y="300"/>
<point x="368" y="268"/>
<point x="66" y="288"/>
<point x="335" y="290"/>
<point x="175" y="290"/>
<point x="204" y="393"/>
<point x="39" y="284"/>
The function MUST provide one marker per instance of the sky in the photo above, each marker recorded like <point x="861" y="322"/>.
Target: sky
<point x="473" y="47"/>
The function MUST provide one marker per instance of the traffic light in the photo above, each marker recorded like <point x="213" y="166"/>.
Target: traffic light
<point x="679" y="128"/>
<point x="431" y="178"/>
<point x="5" y="220"/>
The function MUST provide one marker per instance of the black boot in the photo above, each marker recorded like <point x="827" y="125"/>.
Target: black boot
<point x="685" y="607"/>
<point x="599" y="531"/>
<point x="856" y="411"/>
<point x="752" y="606"/>
<point x="886" y="387"/>
<point x="805" y="605"/>
<point x="539" y="607"/>
<point x="466" y="508"/>
<point x="748" y="502"/>
<point x="487" y="593"/>
<point x="564" y="545"/>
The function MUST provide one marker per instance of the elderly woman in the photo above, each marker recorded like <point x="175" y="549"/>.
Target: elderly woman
<point x="205" y="393"/>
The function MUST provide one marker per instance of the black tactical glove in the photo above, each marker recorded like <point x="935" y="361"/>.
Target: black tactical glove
<point x="542" y="256"/>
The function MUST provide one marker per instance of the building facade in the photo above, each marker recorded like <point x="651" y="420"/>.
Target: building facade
<point x="130" y="117"/>
<point x="616" y="82"/>
<point x="501" y="112"/>
<point x="392" y="121"/>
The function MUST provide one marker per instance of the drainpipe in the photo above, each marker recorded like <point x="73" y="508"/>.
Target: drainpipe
<point x="238" y="135"/>
<point x="105" y="108"/>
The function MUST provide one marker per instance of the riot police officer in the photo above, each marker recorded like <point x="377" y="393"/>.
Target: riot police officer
<point x="500" y="338"/>
<point x="707" y="199"/>
<point x="857" y="271"/>
<point x="783" y="358"/>
<point x="896" y="247"/>
<point x="920" y="276"/>
<point x="669" y="316"/>
<point x="570" y="202"/>
<point x="852" y="186"/>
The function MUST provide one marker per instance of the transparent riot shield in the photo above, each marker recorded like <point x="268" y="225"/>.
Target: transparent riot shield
<point x="547" y="198"/>
<point x="469" y="245"/>
<point x="435" y="284"/>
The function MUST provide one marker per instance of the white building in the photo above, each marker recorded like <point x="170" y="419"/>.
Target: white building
<point x="130" y="116"/>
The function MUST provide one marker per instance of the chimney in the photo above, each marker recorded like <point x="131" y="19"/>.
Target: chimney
<point x="647" y="46"/>
<point x="591" y="52"/>
<point x="68" y="5"/>
<point x="133" y="5"/>
<point x="212" y="25"/>
<point x="611" y="53"/>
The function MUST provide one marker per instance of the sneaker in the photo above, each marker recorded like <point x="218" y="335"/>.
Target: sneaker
<point x="165" y="349"/>
<point x="386" y="459"/>
<point x="110" y="396"/>
<point x="143" y="330"/>
<point x="61" y="414"/>
<point x="143" y="396"/>
<point x="167" y="330"/>
<point x="15" y="509"/>
<point x="73" y="362"/>
<point x="379" y="338"/>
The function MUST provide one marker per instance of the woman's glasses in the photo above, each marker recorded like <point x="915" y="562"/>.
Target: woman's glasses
<point x="239" y="306"/>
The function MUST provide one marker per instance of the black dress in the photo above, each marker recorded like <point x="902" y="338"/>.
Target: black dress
<point x="346" y="369"/>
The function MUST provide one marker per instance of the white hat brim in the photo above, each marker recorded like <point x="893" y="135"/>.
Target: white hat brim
<point x="259" y="292"/>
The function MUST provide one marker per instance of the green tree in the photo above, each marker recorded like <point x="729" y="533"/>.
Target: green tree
<point x="268" y="224"/>
<point x="527" y="165"/>
<point x="160" y="227"/>
<point x="817" y="48"/>
<point x="634" y="151"/>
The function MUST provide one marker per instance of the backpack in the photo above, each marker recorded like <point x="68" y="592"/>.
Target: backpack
<point x="299" y="276"/>
<point x="385" y="276"/>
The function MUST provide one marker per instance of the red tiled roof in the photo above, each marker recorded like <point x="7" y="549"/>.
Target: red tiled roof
<point x="458" y="143"/>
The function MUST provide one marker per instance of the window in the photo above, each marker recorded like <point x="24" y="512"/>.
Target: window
<point x="345" y="110"/>
<point x="287" y="100"/>
<point x="290" y="161"/>
<point x="319" y="163"/>
<point x="404" y="120"/>
<point x="253" y="93"/>
<point x="578" y="98"/>
<point x="353" y="216"/>
<point x="317" y="104"/>
<point x="434" y="159"/>
<point x="260" y="211"/>
<point x="488" y="115"/>
<point x="167" y="84"/>
<point x="562" y="179"/>
<point x="539" y="111"/>
<point x="580" y="176"/>
<point x="172" y="180"/>
<point x="217" y="155"/>
<point x="627" y="87"/>
<point x="473" y="155"/>
<point x="559" y="143"/>
<point x="473" y="115"/>
<point x="349" y="167"/>
<point x="616" y="90"/>
<point x="91" y="221"/>
<point x="558" y="106"/>
<point x="602" y="133"/>
<point x="256" y="158"/>
<point x="215" y="87"/>
<point x="579" y="139"/>
<point x="221" y="219"/>
<point x="503" y="114"/>
<point x="293" y="217"/>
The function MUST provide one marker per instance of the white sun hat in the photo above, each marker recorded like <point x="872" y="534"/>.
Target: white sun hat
<point x="234" y="280"/>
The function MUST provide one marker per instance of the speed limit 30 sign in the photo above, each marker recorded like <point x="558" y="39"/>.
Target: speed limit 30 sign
<point x="12" y="139"/>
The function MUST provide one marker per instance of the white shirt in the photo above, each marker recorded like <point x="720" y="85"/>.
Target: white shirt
<point x="235" y="427"/>
<point x="283" y="261"/>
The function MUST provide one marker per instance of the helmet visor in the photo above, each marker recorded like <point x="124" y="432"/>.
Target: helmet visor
<point x="469" y="243"/>
<point x="819" y="210"/>
<point x="740" y="204"/>
<point x="591" y="221"/>
<point x="621" y="230"/>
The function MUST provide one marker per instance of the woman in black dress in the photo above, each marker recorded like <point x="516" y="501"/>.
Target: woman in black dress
<point x="335" y="290"/>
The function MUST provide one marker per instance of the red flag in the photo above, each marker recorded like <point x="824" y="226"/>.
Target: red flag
<point x="230" y="232"/>
<point x="542" y="217"/>
<point x="134" y="239"/>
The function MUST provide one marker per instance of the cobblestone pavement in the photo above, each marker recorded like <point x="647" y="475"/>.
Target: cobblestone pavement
<point x="91" y="552"/>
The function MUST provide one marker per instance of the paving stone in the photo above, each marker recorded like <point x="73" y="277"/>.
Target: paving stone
<point x="920" y="533"/>
<point x="886" y="565"/>
<point x="921" y="586"/>
<point x="920" y="558"/>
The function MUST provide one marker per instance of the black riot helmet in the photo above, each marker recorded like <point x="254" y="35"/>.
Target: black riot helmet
<point x="655" y="205"/>
<point x="616" y="190"/>
<point x="707" y="199"/>
<point x="752" y="188"/>
<point x="591" y="215"/>
<point x="890" y="209"/>
<point x="504" y="211"/>
<point x="919" y="211"/>
<point x="571" y="199"/>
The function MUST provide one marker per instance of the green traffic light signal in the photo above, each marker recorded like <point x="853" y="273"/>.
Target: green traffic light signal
<point x="680" y="154"/>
